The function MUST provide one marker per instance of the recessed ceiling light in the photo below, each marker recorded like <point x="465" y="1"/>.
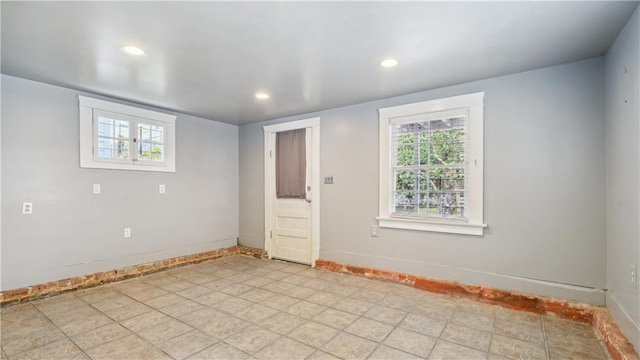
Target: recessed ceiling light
<point x="389" y="63"/>
<point x="133" y="50"/>
<point x="262" y="96"/>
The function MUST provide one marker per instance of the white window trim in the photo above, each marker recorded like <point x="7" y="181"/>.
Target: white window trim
<point x="474" y="224"/>
<point x="87" y="160"/>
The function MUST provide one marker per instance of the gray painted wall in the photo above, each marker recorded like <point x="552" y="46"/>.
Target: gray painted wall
<point x="73" y="232"/>
<point x="544" y="188"/>
<point x="623" y="176"/>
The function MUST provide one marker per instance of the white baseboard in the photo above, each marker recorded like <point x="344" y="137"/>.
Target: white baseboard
<point x="628" y="326"/>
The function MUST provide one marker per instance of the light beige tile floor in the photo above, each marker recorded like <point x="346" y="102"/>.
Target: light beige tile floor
<point x="244" y="308"/>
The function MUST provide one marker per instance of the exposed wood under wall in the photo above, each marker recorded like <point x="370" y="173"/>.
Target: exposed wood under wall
<point x="80" y="282"/>
<point x="618" y="345"/>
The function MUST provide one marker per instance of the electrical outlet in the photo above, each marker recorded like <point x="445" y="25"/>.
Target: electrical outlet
<point x="374" y="231"/>
<point x="96" y="188"/>
<point x="161" y="189"/>
<point x="634" y="276"/>
<point x="127" y="232"/>
<point x="27" y="208"/>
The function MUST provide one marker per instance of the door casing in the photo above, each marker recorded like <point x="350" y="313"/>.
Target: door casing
<point x="269" y="185"/>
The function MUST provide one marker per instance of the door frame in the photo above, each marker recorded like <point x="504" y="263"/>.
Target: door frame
<point x="269" y="181"/>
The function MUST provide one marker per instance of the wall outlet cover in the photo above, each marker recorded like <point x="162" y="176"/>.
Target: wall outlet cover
<point x="27" y="208"/>
<point x="374" y="230"/>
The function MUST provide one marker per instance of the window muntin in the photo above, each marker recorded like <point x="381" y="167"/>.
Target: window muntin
<point x="112" y="137"/>
<point x="150" y="142"/>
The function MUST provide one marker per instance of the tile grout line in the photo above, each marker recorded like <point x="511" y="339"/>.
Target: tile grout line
<point x="546" y="339"/>
<point x="123" y="326"/>
<point x="58" y="328"/>
<point x="372" y="302"/>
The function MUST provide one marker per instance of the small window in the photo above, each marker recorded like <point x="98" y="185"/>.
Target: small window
<point x="115" y="136"/>
<point x="431" y="165"/>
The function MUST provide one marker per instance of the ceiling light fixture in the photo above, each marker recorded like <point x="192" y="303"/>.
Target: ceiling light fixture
<point x="262" y="96"/>
<point x="133" y="50"/>
<point x="389" y="63"/>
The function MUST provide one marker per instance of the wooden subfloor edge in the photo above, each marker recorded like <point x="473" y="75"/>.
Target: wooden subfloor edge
<point x="600" y="318"/>
<point x="33" y="292"/>
<point x="620" y="348"/>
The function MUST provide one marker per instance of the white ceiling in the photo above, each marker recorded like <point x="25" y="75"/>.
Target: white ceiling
<point x="209" y="58"/>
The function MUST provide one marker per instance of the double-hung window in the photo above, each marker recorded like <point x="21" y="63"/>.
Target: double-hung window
<point x="116" y="136"/>
<point x="431" y="165"/>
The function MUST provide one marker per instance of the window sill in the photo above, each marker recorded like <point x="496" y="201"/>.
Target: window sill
<point x="432" y="225"/>
<point x="92" y="164"/>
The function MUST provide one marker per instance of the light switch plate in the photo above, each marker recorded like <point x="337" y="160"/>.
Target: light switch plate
<point x="96" y="188"/>
<point x="161" y="189"/>
<point x="127" y="232"/>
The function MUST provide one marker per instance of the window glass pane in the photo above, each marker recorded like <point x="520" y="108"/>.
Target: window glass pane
<point x="157" y="152"/>
<point x="144" y="151"/>
<point x="157" y="134"/>
<point x="446" y="141"/>
<point x="423" y="180"/>
<point x="404" y="155"/>
<point x="105" y="148"/>
<point x="405" y="195"/>
<point x="442" y="179"/>
<point x="144" y="132"/>
<point x="450" y="204"/>
<point x="433" y="151"/>
<point x="122" y="129"/>
<point x="122" y="149"/>
<point x="446" y="192"/>
<point x="105" y="127"/>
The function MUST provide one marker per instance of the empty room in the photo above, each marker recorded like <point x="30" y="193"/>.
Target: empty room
<point x="320" y="180"/>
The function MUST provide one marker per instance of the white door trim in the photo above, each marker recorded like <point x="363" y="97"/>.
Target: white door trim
<point x="269" y="181"/>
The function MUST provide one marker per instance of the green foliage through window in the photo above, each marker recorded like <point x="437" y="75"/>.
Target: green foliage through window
<point x="429" y="167"/>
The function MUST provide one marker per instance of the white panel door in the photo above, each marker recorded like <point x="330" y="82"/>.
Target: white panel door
<point x="291" y="223"/>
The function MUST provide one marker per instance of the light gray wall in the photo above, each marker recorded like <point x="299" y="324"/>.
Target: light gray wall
<point x="623" y="176"/>
<point x="544" y="188"/>
<point x="73" y="232"/>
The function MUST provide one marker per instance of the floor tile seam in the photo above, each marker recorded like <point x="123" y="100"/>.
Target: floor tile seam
<point x="447" y="322"/>
<point x="546" y="340"/>
<point x="159" y="324"/>
<point x="151" y="309"/>
<point x="490" y="343"/>
<point x="61" y="331"/>
<point x="468" y="346"/>
<point x="120" y="307"/>
<point x="381" y="343"/>
<point x="102" y="312"/>
<point x="218" y="342"/>
<point x="247" y="352"/>
<point x="317" y="348"/>
<point x="542" y="329"/>
<point x="29" y="304"/>
<point x="487" y="352"/>
<point x="112" y="340"/>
